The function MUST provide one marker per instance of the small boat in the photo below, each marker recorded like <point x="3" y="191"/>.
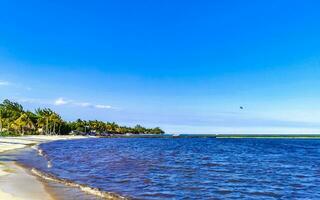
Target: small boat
<point x="176" y="135"/>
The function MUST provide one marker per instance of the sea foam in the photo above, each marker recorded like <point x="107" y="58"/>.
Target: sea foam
<point x="82" y="187"/>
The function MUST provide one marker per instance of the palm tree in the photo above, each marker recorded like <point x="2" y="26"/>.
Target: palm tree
<point x="43" y="119"/>
<point x="112" y="127"/>
<point x="56" y="120"/>
<point x="22" y="123"/>
<point x="139" y="129"/>
<point x="1" y="118"/>
<point x="9" y="112"/>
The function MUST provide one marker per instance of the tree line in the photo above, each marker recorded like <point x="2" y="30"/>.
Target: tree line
<point x="14" y="120"/>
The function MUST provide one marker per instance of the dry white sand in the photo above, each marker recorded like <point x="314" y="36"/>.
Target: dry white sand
<point x="15" y="182"/>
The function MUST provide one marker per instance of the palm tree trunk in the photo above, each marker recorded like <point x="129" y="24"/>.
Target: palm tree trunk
<point x="0" y="124"/>
<point x="54" y="128"/>
<point x="47" y="127"/>
<point x="0" y="121"/>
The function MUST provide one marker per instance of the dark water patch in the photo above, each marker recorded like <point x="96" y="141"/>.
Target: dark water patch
<point x="264" y="194"/>
<point x="222" y="191"/>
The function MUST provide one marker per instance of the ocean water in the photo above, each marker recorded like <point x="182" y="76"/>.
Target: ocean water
<point x="186" y="168"/>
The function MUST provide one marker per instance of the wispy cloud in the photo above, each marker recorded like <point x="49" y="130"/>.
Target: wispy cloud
<point x="102" y="106"/>
<point x="13" y="85"/>
<point x="84" y="104"/>
<point x="32" y="101"/>
<point x="62" y="101"/>
<point x="4" y="83"/>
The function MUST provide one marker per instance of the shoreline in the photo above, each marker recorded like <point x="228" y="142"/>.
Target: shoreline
<point x="16" y="182"/>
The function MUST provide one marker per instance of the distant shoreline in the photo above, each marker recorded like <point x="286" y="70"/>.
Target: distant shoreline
<point x="268" y="137"/>
<point x="221" y="136"/>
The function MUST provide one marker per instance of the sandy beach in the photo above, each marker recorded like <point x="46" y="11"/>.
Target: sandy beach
<point x="16" y="183"/>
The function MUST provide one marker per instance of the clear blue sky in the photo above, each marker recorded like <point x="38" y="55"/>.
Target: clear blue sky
<point x="186" y="66"/>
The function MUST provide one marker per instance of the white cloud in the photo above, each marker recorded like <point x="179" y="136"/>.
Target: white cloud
<point x="84" y="104"/>
<point x="102" y="106"/>
<point x="60" y="101"/>
<point x="63" y="102"/>
<point x="33" y="101"/>
<point x="4" y="83"/>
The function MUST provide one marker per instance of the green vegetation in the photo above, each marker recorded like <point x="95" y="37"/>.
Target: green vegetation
<point x="14" y="120"/>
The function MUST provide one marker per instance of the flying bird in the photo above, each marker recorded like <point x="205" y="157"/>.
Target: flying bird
<point x="241" y="107"/>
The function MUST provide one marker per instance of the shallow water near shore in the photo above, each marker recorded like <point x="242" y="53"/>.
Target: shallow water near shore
<point x="13" y="159"/>
<point x="185" y="168"/>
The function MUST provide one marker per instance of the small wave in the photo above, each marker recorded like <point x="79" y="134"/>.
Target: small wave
<point x="49" y="164"/>
<point x="42" y="154"/>
<point x="84" y="188"/>
<point x="39" y="151"/>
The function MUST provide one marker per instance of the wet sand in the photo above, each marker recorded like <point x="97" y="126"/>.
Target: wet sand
<point x="16" y="183"/>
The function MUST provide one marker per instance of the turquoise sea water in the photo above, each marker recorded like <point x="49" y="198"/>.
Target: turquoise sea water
<point x="187" y="168"/>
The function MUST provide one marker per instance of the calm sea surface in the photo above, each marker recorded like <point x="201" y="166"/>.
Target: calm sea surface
<point x="188" y="168"/>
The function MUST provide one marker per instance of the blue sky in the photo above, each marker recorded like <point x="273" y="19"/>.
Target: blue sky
<point x="186" y="66"/>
